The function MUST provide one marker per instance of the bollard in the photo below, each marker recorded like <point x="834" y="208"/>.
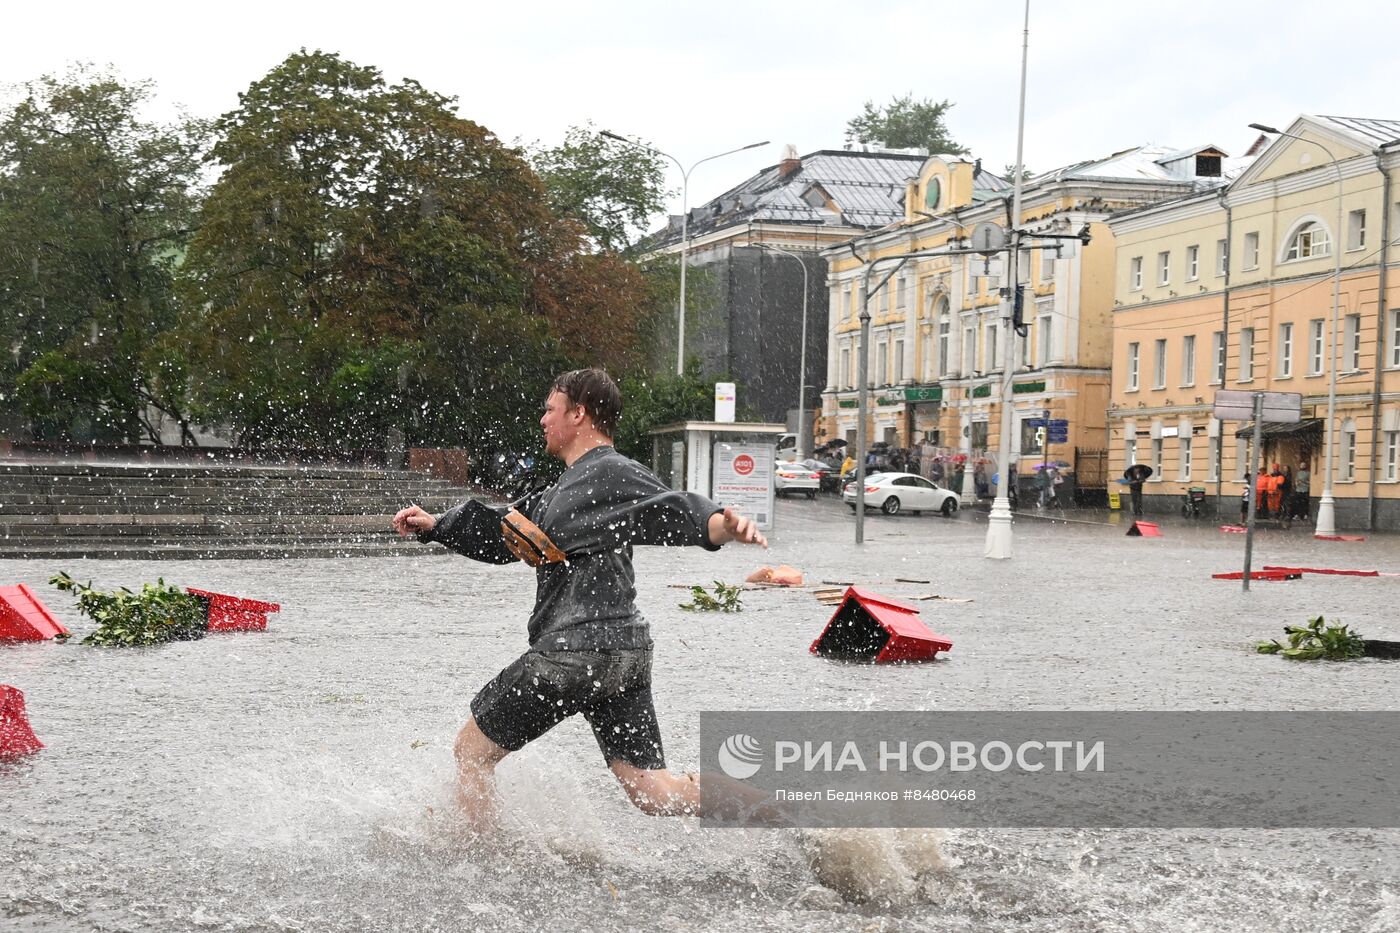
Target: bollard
<point x="16" y="737"/>
<point x="870" y="627"/>
<point x="232" y="613"/>
<point x="24" y="618"/>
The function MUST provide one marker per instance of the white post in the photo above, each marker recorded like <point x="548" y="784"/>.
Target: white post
<point x="999" y="537"/>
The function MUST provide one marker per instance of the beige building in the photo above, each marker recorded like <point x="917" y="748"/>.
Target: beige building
<point x="938" y="351"/>
<point x="1234" y="289"/>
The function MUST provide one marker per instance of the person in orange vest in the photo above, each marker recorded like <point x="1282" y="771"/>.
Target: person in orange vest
<point x="1276" y="491"/>
<point x="1262" y="484"/>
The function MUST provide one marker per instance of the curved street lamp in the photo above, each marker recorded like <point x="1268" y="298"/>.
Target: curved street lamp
<point x="1326" y="508"/>
<point x="685" y="218"/>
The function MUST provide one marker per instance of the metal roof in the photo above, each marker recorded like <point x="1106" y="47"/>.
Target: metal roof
<point x="1375" y="132"/>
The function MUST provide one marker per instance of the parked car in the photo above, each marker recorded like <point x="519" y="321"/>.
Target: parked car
<point x="790" y="476"/>
<point x="893" y="493"/>
<point x="828" y="474"/>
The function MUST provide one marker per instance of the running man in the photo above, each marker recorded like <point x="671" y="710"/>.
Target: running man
<point x="590" y="650"/>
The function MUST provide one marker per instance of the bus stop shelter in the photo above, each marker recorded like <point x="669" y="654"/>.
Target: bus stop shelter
<point x="683" y="454"/>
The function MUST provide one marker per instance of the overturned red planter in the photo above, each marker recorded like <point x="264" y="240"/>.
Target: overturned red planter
<point x="16" y="737"/>
<point x="870" y="627"/>
<point x="232" y="613"/>
<point x="24" y="618"/>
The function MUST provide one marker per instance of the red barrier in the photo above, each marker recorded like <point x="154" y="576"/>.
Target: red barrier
<point x="1144" y="530"/>
<point x="1341" y="573"/>
<point x="24" y="618"/>
<point x="1259" y="575"/>
<point x="1339" y="537"/>
<point x="16" y="737"/>
<point x="869" y="627"/>
<point x="1234" y="529"/>
<point x="232" y="613"/>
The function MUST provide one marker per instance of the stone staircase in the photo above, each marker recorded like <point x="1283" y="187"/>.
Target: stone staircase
<point x="138" y="512"/>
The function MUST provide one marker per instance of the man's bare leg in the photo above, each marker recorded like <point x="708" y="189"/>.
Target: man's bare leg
<point x="664" y="793"/>
<point x="477" y="757"/>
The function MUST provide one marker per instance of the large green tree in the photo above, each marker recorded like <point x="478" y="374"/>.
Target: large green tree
<point x="904" y="123"/>
<point x="370" y="260"/>
<point x="614" y="189"/>
<point x="96" y="205"/>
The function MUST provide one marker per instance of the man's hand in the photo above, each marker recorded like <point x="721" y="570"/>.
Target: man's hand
<point x="413" y="520"/>
<point x="729" y="525"/>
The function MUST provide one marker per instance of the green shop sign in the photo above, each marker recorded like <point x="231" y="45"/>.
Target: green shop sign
<point x="848" y="403"/>
<point x="923" y="394"/>
<point x="1019" y="388"/>
<point x="890" y="400"/>
<point x="981" y="392"/>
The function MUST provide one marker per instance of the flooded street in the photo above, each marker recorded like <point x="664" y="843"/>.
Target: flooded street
<point x="297" y="779"/>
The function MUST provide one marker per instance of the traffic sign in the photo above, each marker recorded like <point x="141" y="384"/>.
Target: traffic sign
<point x="1059" y="424"/>
<point x="1035" y="422"/>
<point x="1058" y="437"/>
<point x="1281" y="407"/>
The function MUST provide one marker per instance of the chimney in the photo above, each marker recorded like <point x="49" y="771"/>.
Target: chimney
<point x="790" y="163"/>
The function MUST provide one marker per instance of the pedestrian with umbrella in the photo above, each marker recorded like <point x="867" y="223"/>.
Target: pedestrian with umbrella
<point x="1136" y="475"/>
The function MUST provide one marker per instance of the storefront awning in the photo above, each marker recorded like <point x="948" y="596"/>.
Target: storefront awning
<point x="1281" y="428"/>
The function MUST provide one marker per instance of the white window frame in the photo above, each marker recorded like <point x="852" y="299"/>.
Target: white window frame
<point x="1391" y="467"/>
<point x="1183" y="472"/>
<point x="1193" y="263"/>
<point x="1164" y="267"/>
<point x="1159" y="363"/>
<point x="1218" y="360"/>
<point x="1317" y="346"/>
<point x="1242" y="461"/>
<point x="1395" y="337"/>
<point x="1212" y="459"/>
<point x="990" y="349"/>
<point x="1348" y="452"/>
<point x="882" y="363"/>
<point x="1047" y="264"/>
<point x="1351" y="346"/>
<point x="1046" y="338"/>
<point x="1251" y="252"/>
<point x="898" y="360"/>
<point x="945" y="343"/>
<point x="1222" y="257"/>
<point x="1309" y="240"/>
<point x="1135" y="274"/>
<point x="1188" y="360"/>
<point x="901" y="293"/>
<point x="1129" y="452"/>
<point x="969" y="348"/>
<point x="1133" y="362"/>
<point x="844" y="376"/>
<point x="1156" y="463"/>
<point x="1285" y="349"/>
<point x="1356" y="230"/>
<point x="1246" y="373"/>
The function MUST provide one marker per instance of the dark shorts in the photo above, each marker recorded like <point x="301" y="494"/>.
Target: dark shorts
<point x="540" y="689"/>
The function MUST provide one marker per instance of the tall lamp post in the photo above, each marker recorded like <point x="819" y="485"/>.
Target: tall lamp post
<point x="1327" y="507"/>
<point x="802" y="356"/>
<point x="685" y="219"/>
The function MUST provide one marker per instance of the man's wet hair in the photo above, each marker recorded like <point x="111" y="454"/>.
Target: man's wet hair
<point x="596" y="392"/>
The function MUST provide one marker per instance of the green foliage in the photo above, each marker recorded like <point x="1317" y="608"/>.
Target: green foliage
<point x="158" y="614"/>
<point x="96" y="206"/>
<point x="1314" y="642"/>
<point x="904" y="123"/>
<point x="651" y="401"/>
<point x="726" y="599"/>
<point x="610" y="187"/>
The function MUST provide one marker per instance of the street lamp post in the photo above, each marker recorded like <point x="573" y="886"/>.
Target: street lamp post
<point x="685" y="220"/>
<point x="1327" y="507"/>
<point x="802" y="356"/>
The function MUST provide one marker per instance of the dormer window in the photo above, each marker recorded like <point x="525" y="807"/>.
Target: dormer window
<point x="1311" y="240"/>
<point x="1207" y="166"/>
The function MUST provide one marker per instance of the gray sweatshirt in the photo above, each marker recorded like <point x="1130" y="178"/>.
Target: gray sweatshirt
<point x="602" y="505"/>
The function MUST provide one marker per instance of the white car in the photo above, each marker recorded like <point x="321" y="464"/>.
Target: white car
<point x="893" y="493"/>
<point x="789" y="476"/>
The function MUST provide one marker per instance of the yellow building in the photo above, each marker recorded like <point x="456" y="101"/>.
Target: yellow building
<point x="938" y="348"/>
<point x="1234" y="289"/>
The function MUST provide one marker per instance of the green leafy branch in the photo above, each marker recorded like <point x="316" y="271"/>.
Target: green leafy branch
<point x="726" y="599"/>
<point x="1314" y="641"/>
<point x="125" y="619"/>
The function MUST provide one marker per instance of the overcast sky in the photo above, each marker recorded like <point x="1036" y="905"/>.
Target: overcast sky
<point x="696" y="79"/>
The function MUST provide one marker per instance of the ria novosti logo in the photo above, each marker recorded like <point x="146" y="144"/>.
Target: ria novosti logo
<point x="740" y="756"/>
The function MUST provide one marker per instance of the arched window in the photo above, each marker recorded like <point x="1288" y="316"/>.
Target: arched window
<point x="1309" y="241"/>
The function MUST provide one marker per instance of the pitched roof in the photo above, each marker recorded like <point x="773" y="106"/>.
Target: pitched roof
<point x="867" y="189"/>
<point x="1375" y="132"/>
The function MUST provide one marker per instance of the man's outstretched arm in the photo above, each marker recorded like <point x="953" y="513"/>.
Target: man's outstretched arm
<point x="729" y="525"/>
<point x="471" y="529"/>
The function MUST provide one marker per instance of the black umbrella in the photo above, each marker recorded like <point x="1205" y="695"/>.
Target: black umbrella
<point x="1137" y="472"/>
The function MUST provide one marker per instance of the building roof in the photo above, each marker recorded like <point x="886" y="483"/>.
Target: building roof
<point x="866" y="189"/>
<point x="1375" y="132"/>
